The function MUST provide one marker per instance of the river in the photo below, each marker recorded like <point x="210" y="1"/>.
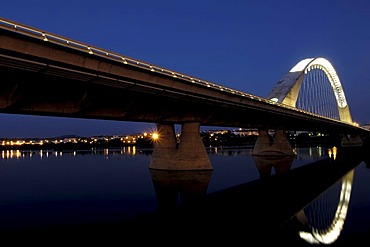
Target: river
<point x="318" y="197"/>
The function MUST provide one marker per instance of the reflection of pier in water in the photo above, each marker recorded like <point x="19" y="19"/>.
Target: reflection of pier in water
<point x="174" y="188"/>
<point x="268" y="165"/>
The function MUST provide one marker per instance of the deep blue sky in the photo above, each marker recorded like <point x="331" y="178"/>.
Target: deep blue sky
<point x="246" y="45"/>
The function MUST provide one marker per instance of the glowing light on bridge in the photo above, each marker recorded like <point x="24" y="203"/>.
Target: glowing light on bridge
<point x="155" y="136"/>
<point x="45" y="38"/>
<point x="274" y="99"/>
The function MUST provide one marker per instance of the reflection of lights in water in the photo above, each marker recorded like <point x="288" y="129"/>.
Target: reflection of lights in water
<point x="332" y="152"/>
<point x="6" y="154"/>
<point x="331" y="232"/>
<point x="130" y="150"/>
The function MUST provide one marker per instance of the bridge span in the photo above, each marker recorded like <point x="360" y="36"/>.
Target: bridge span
<point x="50" y="75"/>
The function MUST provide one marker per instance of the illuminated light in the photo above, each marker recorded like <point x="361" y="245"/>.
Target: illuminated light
<point x="124" y="60"/>
<point x="274" y="99"/>
<point x="173" y="74"/>
<point x="90" y="51"/>
<point x="151" y="68"/>
<point x="155" y="136"/>
<point x="45" y="38"/>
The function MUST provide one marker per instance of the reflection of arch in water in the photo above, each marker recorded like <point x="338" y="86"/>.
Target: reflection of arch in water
<point x="265" y="163"/>
<point x="329" y="232"/>
<point x="173" y="187"/>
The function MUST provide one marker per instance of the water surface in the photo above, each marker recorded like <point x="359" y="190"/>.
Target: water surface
<point x="113" y="193"/>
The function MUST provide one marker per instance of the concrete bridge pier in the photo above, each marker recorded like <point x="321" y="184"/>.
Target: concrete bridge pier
<point x="278" y="145"/>
<point x="189" y="154"/>
<point x="164" y="148"/>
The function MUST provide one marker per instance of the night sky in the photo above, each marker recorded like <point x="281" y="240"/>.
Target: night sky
<point x="241" y="44"/>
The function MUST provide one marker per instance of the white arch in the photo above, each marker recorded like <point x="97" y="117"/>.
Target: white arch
<point x="324" y="65"/>
<point x="287" y="89"/>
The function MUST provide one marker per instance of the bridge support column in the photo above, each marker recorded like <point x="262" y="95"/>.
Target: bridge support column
<point x="165" y="147"/>
<point x="190" y="154"/>
<point x="280" y="144"/>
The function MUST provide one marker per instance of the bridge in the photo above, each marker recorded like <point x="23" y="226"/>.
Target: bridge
<point x="50" y="75"/>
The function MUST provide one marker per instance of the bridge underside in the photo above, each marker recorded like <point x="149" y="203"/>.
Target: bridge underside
<point x="61" y="93"/>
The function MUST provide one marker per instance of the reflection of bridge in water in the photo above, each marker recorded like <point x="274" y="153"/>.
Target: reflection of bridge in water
<point x="325" y="216"/>
<point x="312" y="199"/>
<point x="294" y="201"/>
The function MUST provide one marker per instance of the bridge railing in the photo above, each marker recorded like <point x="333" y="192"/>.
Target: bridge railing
<point x="72" y="44"/>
